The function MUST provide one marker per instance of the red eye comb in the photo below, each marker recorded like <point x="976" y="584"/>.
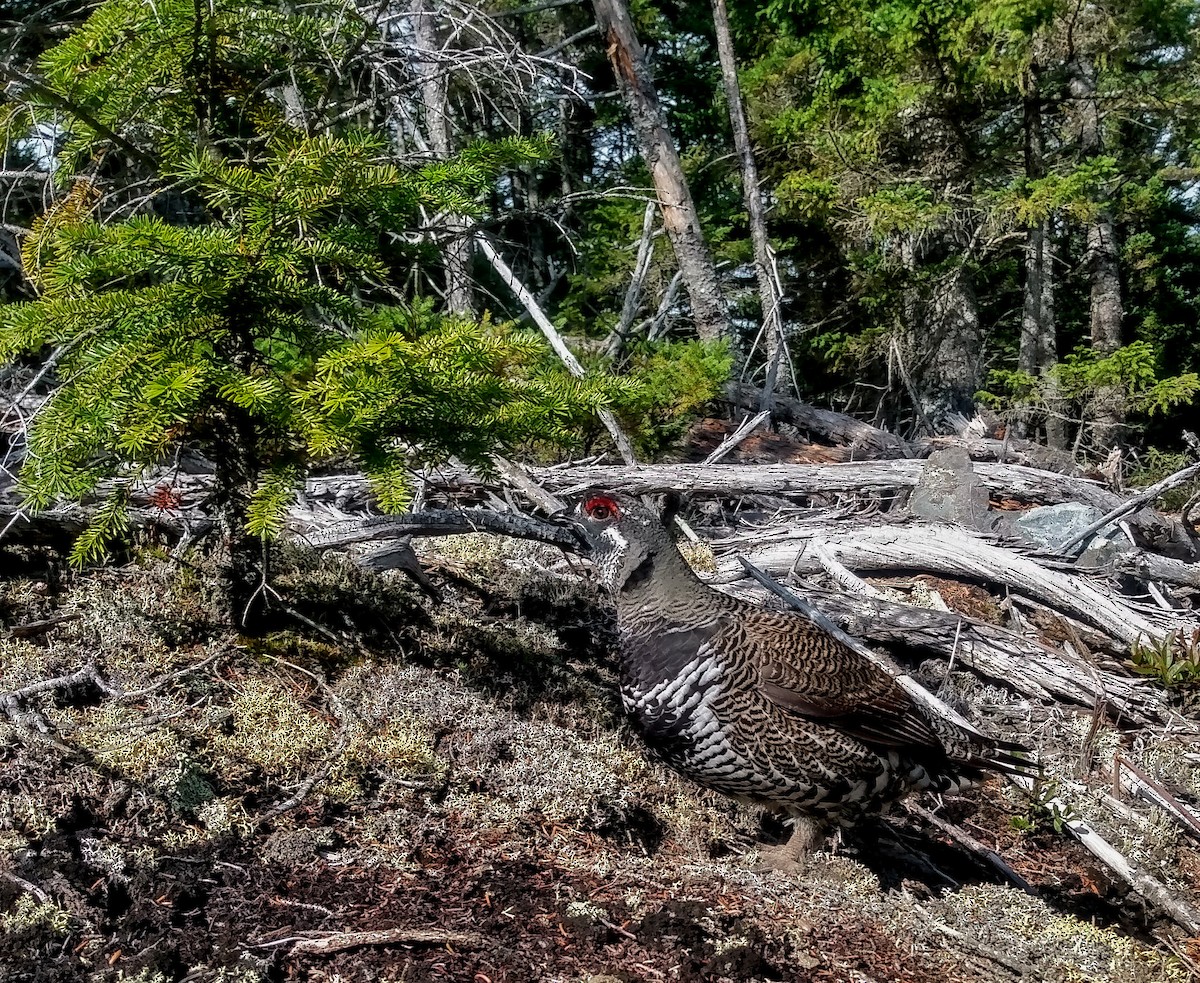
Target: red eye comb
<point x="601" y="508"/>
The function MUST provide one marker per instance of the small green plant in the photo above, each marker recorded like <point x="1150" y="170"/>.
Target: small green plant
<point x="1173" y="660"/>
<point x="1044" y="807"/>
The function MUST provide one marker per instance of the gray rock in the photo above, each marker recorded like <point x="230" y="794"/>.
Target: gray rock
<point x="949" y="491"/>
<point x="1052" y="526"/>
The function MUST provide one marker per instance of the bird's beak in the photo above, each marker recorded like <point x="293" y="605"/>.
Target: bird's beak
<point x="582" y="534"/>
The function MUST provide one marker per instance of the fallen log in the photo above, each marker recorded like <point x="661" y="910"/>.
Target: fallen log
<point x="950" y="551"/>
<point x="838" y="428"/>
<point x="350" y="493"/>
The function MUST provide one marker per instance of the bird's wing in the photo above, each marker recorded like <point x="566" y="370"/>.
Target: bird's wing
<point x="805" y="671"/>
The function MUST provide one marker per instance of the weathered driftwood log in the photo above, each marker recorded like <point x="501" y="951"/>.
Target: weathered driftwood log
<point x="350" y="493"/>
<point x="1011" y="480"/>
<point x="1148" y="566"/>
<point x="449" y="522"/>
<point x="867" y="442"/>
<point x="838" y="428"/>
<point x="950" y="551"/>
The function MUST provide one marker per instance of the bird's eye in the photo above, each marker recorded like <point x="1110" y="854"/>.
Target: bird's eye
<point x="601" y="508"/>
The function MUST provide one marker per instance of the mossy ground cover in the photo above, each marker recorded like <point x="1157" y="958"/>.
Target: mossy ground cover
<point x="459" y="768"/>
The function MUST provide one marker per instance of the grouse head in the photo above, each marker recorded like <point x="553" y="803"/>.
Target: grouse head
<point x="627" y="541"/>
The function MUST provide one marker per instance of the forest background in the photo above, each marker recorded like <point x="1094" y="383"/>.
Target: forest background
<point x="283" y="233"/>
<point x="253" y="253"/>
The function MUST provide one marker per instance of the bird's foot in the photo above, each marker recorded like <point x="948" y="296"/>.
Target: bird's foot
<point x="779" y="859"/>
<point x="793" y="856"/>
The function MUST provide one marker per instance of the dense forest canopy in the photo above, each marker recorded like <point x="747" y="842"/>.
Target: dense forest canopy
<point x="278" y="233"/>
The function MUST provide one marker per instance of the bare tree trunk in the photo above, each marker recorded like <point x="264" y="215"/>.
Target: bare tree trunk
<point x="954" y="371"/>
<point x="456" y="239"/>
<point x="680" y="219"/>
<point x="1056" y="406"/>
<point x="1102" y="255"/>
<point x="769" y="293"/>
<point x="943" y="342"/>
<point x="1039" y="344"/>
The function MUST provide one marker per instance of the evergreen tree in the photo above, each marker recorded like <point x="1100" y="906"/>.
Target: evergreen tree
<point x="249" y="307"/>
<point x="937" y="155"/>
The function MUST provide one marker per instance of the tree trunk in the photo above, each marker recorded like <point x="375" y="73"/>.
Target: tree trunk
<point x="1102" y="257"/>
<point x="456" y="239"/>
<point x="1056" y="406"/>
<point x="1039" y="344"/>
<point x="943" y="341"/>
<point x="769" y="293"/>
<point x="680" y="219"/>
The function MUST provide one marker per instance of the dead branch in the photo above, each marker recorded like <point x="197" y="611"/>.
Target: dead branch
<point x="440" y="523"/>
<point x="838" y="428"/>
<point x="1142" y="498"/>
<point x="1148" y="886"/>
<point x="560" y="348"/>
<point x="748" y="426"/>
<point x="326" y="942"/>
<point x="1148" y="566"/>
<point x="950" y="551"/>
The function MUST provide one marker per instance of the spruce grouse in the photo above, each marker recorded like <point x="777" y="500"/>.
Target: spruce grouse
<point x="764" y="705"/>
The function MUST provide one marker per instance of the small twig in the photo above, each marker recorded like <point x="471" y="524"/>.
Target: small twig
<point x="1145" y="786"/>
<point x="337" y="941"/>
<point x="33" y="628"/>
<point x="547" y="502"/>
<point x="1132" y="505"/>
<point x="953" y="657"/>
<point x="740" y="434"/>
<point x="338" y="709"/>
<point x="961" y="836"/>
<point x="1023" y="970"/>
<point x="633" y="295"/>
<point x="894" y="349"/>
<point x="25" y="885"/>
<point x="177" y="674"/>
<point x="841" y="575"/>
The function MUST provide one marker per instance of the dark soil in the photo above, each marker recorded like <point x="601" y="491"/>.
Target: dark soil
<point x="461" y="773"/>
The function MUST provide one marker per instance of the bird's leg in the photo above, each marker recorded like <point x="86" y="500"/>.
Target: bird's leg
<point x="792" y="856"/>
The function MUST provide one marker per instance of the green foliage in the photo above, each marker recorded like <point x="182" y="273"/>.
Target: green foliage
<point x="1157" y="464"/>
<point x="1044" y="807"/>
<point x="672" y="382"/>
<point x="169" y="333"/>
<point x="1173" y="660"/>
<point x="1132" y="370"/>
<point x="161" y="80"/>
<point x="258" y="323"/>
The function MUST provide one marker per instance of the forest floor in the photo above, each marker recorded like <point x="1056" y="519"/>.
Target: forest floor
<point x="456" y="779"/>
